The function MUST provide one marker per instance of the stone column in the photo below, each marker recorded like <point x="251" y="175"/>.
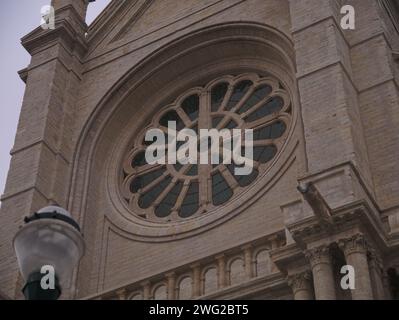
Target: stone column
<point x="196" y="269"/>
<point x="146" y="290"/>
<point x="222" y="281"/>
<point x="248" y="261"/>
<point x="171" y="279"/>
<point x="323" y="276"/>
<point x="355" y="250"/>
<point x="301" y="285"/>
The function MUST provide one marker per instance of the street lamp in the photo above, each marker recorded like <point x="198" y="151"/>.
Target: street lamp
<point x="49" y="240"/>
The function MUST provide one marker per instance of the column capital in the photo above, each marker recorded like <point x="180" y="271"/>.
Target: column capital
<point x="246" y="247"/>
<point x="145" y="283"/>
<point x="318" y="255"/>
<point x="355" y="243"/>
<point x="170" y="275"/>
<point x="221" y="256"/>
<point x="299" y="281"/>
<point x="121" y="293"/>
<point x="195" y="265"/>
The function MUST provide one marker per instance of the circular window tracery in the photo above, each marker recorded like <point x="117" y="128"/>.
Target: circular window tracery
<point x="179" y="191"/>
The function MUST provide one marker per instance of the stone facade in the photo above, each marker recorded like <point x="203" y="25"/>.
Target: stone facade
<point x="331" y="197"/>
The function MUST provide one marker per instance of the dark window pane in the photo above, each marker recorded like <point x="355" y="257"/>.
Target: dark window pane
<point x="273" y="131"/>
<point x="238" y="92"/>
<point x="258" y="95"/>
<point x="172" y="116"/>
<point x="148" y="198"/>
<point x="191" y="201"/>
<point x="193" y="171"/>
<point x="221" y="192"/>
<point x="167" y="204"/>
<point x="244" y="180"/>
<point x="216" y="121"/>
<point x="231" y="124"/>
<point x="278" y="129"/>
<point x="191" y="106"/>
<point x="177" y="166"/>
<point x="141" y="181"/>
<point x="139" y="160"/>
<point x="264" y="154"/>
<point x="273" y="105"/>
<point x="217" y="95"/>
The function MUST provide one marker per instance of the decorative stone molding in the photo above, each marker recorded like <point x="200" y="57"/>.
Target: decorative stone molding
<point x="195" y="270"/>
<point x="356" y="243"/>
<point x="300" y="281"/>
<point x="121" y="294"/>
<point x="375" y="259"/>
<point x="319" y="255"/>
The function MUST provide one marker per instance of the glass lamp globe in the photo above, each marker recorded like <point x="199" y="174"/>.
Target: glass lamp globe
<point x="49" y="237"/>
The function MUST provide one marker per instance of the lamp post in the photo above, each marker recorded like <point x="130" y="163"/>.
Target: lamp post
<point x="48" y="248"/>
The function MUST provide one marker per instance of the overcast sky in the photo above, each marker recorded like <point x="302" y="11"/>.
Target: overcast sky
<point x="18" y="18"/>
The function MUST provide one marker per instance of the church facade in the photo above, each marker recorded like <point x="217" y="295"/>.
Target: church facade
<point x="323" y="103"/>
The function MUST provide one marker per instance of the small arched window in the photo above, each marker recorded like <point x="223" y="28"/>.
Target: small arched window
<point x="210" y="280"/>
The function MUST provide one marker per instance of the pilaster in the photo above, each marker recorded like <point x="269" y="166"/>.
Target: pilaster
<point x="42" y="153"/>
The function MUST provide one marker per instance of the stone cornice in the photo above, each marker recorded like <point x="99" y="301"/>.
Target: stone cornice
<point x="102" y="20"/>
<point x="289" y="259"/>
<point x="64" y="31"/>
<point x="23" y="74"/>
<point x="247" y="289"/>
<point x="344" y="218"/>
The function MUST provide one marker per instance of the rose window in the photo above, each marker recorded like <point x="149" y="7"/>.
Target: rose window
<point x="168" y="192"/>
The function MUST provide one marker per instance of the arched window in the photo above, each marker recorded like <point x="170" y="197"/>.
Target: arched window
<point x="166" y="192"/>
<point x="136" y="296"/>
<point x="160" y="293"/>
<point x="263" y="263"/>
<point x="210" y="280"/>
<point x="237" y="271"/>
<point x="185" y="288"/>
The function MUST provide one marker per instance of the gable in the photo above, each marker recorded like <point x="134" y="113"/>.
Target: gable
<point x="134" y="20"/>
